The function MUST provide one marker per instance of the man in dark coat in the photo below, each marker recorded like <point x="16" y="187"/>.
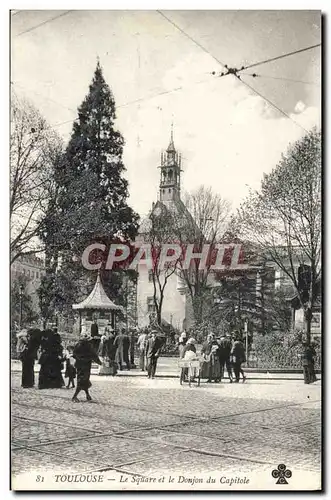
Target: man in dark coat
<point x="238" y="357"/>
<point x="95" y="336"/>
<point x="225" y="352"/>
<point x="307" y="357"/>
<point x="152" y="353"/>
<point x="122" y="343"/>
<point x="133" y="340"/>
<point x="94" y="329"/>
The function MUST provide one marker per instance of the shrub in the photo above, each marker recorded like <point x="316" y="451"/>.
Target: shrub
<point x="281" y="350"/>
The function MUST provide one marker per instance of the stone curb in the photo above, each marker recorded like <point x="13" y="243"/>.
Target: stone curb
<point x="176" y="376"/>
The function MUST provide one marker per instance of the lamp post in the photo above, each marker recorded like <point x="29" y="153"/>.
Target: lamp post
<point x="21" y="290"/>
<point x="246" y="336"/>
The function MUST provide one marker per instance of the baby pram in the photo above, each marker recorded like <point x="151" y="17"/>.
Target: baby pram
<point x="193" y="370"/>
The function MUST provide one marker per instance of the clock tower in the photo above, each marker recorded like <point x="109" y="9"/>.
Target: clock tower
<point x="170" y="174"/>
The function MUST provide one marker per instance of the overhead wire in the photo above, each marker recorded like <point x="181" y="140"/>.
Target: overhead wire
<point x="190" y="37"/>
<point x="44" y="97"/>
<point x="235" y="72"/>
<point x="43" y="23"/>
<point x="272" y="104"/>
<point x="255" y="75"/>
<point x="288" y="54"/>
<point x="211" y="55"/>
<point x="142" y="99"/>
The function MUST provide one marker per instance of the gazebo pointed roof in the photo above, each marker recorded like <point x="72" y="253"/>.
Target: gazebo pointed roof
<point x="98" y="299"/>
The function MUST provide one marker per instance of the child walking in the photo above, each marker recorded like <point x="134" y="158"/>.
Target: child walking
<point x="70" y="372"/>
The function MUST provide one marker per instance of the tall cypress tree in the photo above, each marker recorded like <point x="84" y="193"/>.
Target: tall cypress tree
<point x="91" y="176"/>
<point x="91" y="201"/>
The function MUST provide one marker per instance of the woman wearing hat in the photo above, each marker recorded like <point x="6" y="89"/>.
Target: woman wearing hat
<point x="212" y="366"/>
<point x="84" y="354"/>
<point x="26" y="348"/>
<point x="182" y="343"/>
<point x="188" y="354"/>
<point x="107" y="352"/>
<point x="189" y="348"/>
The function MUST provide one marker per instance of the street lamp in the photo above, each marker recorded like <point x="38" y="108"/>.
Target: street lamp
<point x="246" y="335"/>
<point x="21" y="290"/>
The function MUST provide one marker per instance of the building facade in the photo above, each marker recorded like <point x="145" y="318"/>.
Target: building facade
<point x="169" y="201"/>
<point x="33" y="268"/>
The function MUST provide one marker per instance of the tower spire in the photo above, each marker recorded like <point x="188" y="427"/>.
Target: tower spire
<point x="170" y="172"/>
<point x="171" y="147"/>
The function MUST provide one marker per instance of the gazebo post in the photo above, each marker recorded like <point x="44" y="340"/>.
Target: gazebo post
<point x="80" y="322"/>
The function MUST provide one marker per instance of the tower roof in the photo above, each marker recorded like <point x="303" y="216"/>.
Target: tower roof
<point x="171" y="148"/>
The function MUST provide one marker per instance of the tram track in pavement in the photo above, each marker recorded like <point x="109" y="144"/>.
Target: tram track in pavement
<point x="177" y="448"/>
<point x="128" y="434"/>
<point x="122" y="435"/>
<point x="177" y="415"/>
<point x="165" y="427"/>
<point x="192" y="419"/>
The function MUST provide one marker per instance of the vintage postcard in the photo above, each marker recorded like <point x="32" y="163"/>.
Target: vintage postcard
<point x="165" y="207"/>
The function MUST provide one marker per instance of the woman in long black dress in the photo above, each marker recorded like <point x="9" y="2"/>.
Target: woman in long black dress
<point x="84" y="354"/>
<point x="51" y="359"/>
<point x="211" y="369"/>
<point x="27" y="346"/>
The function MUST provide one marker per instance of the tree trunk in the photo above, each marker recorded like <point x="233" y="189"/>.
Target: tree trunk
<point x="197" y="310"/>
<point x="308" y="317"/>
<point x="159" y="310"/>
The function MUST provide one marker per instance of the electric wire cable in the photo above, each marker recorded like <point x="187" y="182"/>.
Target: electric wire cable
<point x="272" y="104"/>
<point x="190" y="37"/>
<point x="43" y="23"/>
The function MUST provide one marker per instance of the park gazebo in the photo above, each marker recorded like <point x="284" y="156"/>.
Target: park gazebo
<point x="96" y="306"/>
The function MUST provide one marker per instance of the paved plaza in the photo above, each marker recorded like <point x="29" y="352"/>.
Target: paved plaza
<point x="141" y="428"/>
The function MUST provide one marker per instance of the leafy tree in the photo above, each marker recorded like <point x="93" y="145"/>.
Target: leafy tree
<point x="205" y="221"/>
<point x="90" y="204"/>
<point x="161" y="232"/>
<point x="284" y="219"/>
<point x="19" y="297"/>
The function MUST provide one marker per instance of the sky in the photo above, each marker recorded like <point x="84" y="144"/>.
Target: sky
<point x="228" y="136"/>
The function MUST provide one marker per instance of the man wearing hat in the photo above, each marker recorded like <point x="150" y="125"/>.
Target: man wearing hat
<point x="141" y="344"/>
<point x="225" y="353"/>
<point x="107" y="352"/>
<point x="152" y="352"/>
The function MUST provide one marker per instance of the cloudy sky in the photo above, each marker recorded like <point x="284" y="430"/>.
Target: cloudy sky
<point x="228" y="135"/>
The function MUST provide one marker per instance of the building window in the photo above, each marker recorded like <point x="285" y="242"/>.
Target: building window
<point x="150" y="305"/>
<point x="150" y="276"/>
<point x="37" y="274"/>
<point x="169" y="190"/>
<point x="32" y="274"/>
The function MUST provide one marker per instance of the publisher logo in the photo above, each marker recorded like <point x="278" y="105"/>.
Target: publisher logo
<point x="281" y="474"/>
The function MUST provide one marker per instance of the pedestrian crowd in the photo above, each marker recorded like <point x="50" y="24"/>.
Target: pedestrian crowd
<point x="216" y="355"/>
<point x="114" y="351"/>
